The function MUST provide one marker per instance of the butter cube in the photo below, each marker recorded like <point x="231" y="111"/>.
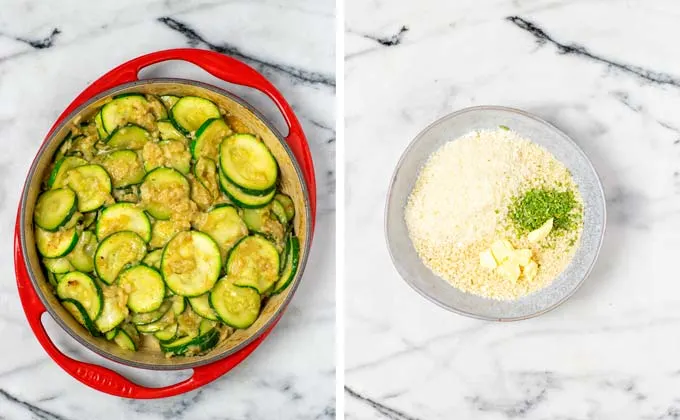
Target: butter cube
<point x="487" y="260"/>
<point x="509" y="270"/>
<point x="542" y="232"/>
<point x="502" y="250"/>
<point x="522" y="257"/>
<point x="530" y="271"/>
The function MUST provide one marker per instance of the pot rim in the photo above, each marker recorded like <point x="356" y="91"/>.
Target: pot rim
<point x="33" y="277"/>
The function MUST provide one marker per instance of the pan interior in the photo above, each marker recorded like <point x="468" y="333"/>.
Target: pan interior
<point x="291" y="183"/>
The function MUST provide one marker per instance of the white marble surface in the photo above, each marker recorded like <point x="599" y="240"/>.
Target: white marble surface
<point x="291" y="376"/>
<point x="607" y="73"/>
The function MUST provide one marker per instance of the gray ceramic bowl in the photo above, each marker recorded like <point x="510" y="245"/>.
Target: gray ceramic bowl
<point x="437" y="290"/>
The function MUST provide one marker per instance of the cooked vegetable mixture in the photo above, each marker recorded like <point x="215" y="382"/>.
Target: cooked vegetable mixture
<point x="162" y="226"/>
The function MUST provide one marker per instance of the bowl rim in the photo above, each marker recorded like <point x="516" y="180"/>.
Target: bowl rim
<point x="33" y="277"/>
<point x="525" y="114"/>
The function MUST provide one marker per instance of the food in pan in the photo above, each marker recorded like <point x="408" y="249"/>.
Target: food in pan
<point x="163" y="226"/>
<point x="495" y="214"/>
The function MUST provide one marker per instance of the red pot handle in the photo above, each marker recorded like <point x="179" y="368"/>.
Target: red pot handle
<point x="229" y="70"/>
<point x="225" y="68"/>
<point x="99" y="377"/>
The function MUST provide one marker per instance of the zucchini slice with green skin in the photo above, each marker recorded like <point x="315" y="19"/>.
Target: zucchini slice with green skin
<point x="205" y="172"/>
<point x="144" y="286"/>
<point x="262" y="221"/>
<point x="169" y="101"/>
<point x="162" y="190"/>
<point x="127" y="338"/>
<point x="225" y="226"/>
<point x="167" y="334"/>
<point x="84" y="289"/>
<point x="80" y="314"/>
<point x="188" y="323"/>
<point x="92" y="185"/>
<point x="58" y="265"/>
<point x="190" y="112"/>
<point x="190" y="346"/>
<point x="166" y="320"/>
<point x="55" y="244"/>
<point x="191" y="263"/>
<point x="291" y="265"/>
<point x="149" y="317"/>
<point x="124" y="167"/>
<point x="208" y="139"/>
<point x="179" y="304"/>
<point x="52" y="278"/>
<point x="254" y="262"/>
<point x="177" y="155"/>
<point x="116" y="252"/>
<point x="110" y="335"/>
<point x="236" y="306"/>
<point x="201" y="305"/>
<point x="241" y="198"/>
<point x="114" y="310"/>
<point x="157" y="108"/>
<point x="58" y="175"/>
<point x="54" y="208"/>
<point x="123" y="109"/>
<point x="89" y="219"/>
<point x="153" y="259"/>
<point x="248" y="163"/>
<point x="163" y="230"/>
<point x="82" y="256"/>
<point x="279" y="212"/>
<point x="103" y="134"/>
<point x="121" y="217"/>
<point x="130" y="137"/>
<point x="167" y="131"/>
<point x="287" y="204"/>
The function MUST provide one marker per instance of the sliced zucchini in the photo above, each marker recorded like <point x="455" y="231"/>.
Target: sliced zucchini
<point x="167" y="131"/>
<point x="57" y="177"/>
<point x="88" y="219"/>
<point x="128" y="108"/>
<point x="179" y="304"/>
<point x="163" y="230"/>
<point x="55" y="244"/>
<point x="291" y="265"/>
<point x="236" y="306"/>
<point x="144" y="286"/>
<point x="92" y="185"/>
<point x="114" y="310"/>
<point x="153" y="259"/>
<point x="124" y="167"/>
<point x="110" y="335"/>
<point x="163" y="191"/>
<point x="169" y="100"/>
<point x="166" y="320"/>
<point x="58" y="265"/>
<point x="200" y="195"/>
<point x="167" y="334"/>
<point x="176" y="155"/>
<point x="54" y="208"/>
<point x="190" y="112"/>
<point x="123" y="216"/>
<point x="103" y="134"/>
<point x="224" y="225"/>
<point x="191" y="263"/>
<point x="84" y="289"/>
<point x="190" y="346"/>
<point x="188" y="324"/>
<point x="117" y="251"/>
<point x="157" y="108"/>
<point x="241" y="198"/>
<point x="248" y="163"/>
<point x="149" y="317"/>
<point x="205" y="172"/>
<point x="263" y="221"/>
<point x="208" y="139"/>
<point x="80" y="314"/>
<point x="206" y="325"/>
<point x="279" y="212"/>
<point x="52" y="278"/>
<point x="127" y="338"/>
<point x="82" y="256"/>
<point x="130" y="137"/>
<point x="254" y="262"/>
<point x="201" y="305"/>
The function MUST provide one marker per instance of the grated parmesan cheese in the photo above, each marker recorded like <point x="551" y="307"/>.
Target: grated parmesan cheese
<point x="458" y="208"/>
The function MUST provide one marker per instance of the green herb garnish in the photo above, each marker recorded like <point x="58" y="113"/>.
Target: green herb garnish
<point x="504" y="127"/>
<point x="532" y="209"/>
